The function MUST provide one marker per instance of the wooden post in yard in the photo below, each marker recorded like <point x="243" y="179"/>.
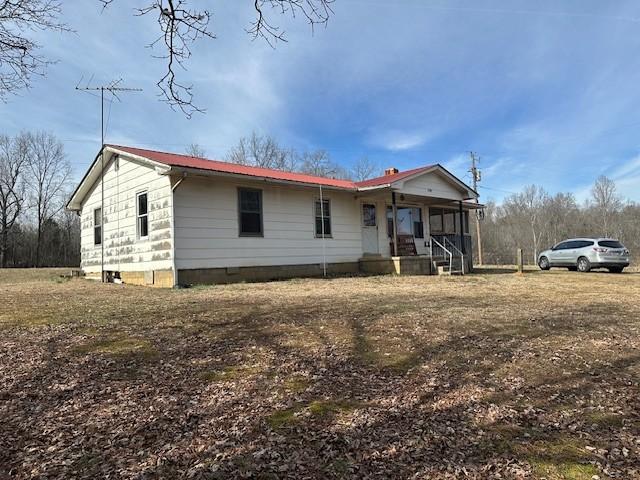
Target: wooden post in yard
<point x="520" y="261"/>
<point x="394" y="208"/>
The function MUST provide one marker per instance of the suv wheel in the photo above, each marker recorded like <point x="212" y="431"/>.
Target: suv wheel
<point x="543" y="263"/>
<point x="584" y="265"/>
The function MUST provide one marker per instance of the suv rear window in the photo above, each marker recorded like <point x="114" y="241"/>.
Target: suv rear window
<point x="610" y="244"/>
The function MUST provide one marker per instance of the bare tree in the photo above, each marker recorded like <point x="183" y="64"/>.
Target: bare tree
<point x="13" y="160"/>
<point x="195" y="150"/>
<point x="262" y="151"/>
<point x="524" y="212"/>
<point x="49" y="171"/>
<point x="606" y="203"/>
<point x="181" y="26"/>
<point x="560" y="214"/>
<point x="319" y="163"/>
<point x="19" y="52"/>
<point x="363" y="169"/>
<point x="69" y="223"/>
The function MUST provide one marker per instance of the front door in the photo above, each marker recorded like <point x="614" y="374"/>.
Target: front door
<point x="369" y="229"/>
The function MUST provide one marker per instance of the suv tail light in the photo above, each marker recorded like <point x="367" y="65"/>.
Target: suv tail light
<point x="600" y="249"/>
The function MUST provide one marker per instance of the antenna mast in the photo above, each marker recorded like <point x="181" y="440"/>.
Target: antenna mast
<point x="114" y="87"/>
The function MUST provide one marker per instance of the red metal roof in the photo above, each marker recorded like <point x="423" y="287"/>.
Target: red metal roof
<point x="187" y="161"/>
<point x="387" y="179"/>
<point x="177" y="160"/>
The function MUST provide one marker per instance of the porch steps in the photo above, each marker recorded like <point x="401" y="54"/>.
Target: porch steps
<point x="441" y="266"/>
<point x="406" y="246"/>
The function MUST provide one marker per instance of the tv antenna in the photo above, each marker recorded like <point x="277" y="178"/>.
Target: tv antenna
<point x="114" y="88"/>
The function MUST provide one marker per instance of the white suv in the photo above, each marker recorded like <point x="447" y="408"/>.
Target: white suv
<point x="583" y="254"/>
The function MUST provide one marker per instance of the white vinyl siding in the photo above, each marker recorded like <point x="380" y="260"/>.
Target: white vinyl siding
<point x="432" y="185"/>
<point x="123" y="251"/>
<point x="207" y="226"/>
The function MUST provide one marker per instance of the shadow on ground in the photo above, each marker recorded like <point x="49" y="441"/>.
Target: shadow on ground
<point x="382" y="377"/>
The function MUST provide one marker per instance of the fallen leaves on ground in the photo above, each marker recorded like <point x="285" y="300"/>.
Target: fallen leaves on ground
<point x="491" y="375"/>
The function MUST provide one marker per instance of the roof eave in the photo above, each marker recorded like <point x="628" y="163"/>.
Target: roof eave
<point x="92" y="174"/>
<point x="256" y="178"/>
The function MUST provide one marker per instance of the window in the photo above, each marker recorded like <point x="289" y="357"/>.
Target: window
<point x="368" y="215"/>
<point x="97" y="226"/>
<point x="465" y="222"/>
<point x="583" y="244"/>
<point x="562" y="246"/>
<point x="435" y="221"/>
<point x="323" y="218"/>
<point x="250" y="212"/>
<point x="610" y="244"/>
<point x="449" y="221"/>
<point x="418" y="226"/>
<point x="142" y="214"/>
<point x="409" y="221"/>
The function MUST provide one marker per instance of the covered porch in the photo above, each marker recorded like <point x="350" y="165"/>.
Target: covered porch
<point x="418" y="225"/>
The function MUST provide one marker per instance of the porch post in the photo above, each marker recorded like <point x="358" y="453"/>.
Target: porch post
<point x="394" y="209"/>
<point x="461" y="228"/>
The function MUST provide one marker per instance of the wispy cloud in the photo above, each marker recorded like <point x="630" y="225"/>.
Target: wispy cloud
<point x="399" y="140"/>
<point x="627" y="169"/>
<point x="457" y="164"/>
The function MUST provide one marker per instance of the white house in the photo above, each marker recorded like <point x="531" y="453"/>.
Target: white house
<point x="165" y="219"/>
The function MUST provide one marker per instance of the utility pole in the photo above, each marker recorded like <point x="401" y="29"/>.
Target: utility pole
<point x="476" y="176"/>
<point x="113" y="88"/>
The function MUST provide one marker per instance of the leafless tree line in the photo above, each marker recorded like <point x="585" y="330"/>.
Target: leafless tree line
<point x="35" y="228"/>
<point x="264" y="151"/>
<point x="535" y="220"/>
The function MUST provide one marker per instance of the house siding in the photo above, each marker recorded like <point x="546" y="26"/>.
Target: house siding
<point x="431" y="185"/>
<point x="123" y="250"/>
<point x="207" y="226"/>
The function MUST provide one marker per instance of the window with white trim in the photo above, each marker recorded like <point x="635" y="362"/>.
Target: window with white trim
<point x="250" y="212"/>
<point x="323" y="218"/>
<point x="97" y="226"/>
<point x="142" y="214"/>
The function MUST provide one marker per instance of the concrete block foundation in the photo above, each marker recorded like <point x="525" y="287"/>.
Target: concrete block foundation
<point x="370" y="265"/>
<point x="260" y="274"/>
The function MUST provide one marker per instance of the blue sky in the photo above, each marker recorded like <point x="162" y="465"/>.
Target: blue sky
<point x="545" y="92"/>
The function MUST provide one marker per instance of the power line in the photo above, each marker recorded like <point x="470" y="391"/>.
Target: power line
<point x="497" y="189"/>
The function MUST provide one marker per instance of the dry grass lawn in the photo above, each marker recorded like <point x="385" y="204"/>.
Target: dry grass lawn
<point x="491" y="375"/>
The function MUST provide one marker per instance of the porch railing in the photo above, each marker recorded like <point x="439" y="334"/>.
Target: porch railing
<point x="453" y="247"/>
<point x="466" y="241"/>
<point x="443" y="249"/>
